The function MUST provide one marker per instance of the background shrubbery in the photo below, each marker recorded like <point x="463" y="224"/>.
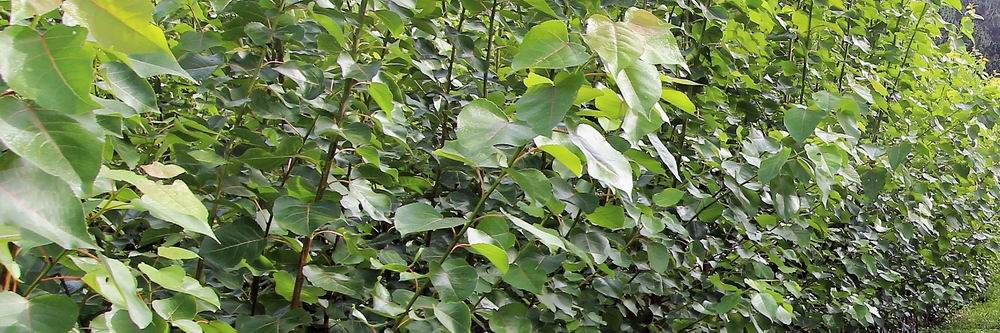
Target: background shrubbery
<point x="493" y="165"/>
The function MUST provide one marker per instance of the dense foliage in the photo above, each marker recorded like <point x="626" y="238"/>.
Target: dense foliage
<point x="491" y="165"/>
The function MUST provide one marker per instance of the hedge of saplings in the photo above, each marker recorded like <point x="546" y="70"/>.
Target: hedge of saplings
<point x="492" y="165"/>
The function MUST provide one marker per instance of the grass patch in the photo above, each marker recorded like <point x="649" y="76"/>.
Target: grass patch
<point x="981" y="317"/>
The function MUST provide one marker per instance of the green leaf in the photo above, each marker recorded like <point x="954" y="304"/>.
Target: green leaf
<point x="174" y="278"/>
<point x="665" y="155"/>
<point x="25" y="9"/>
<point x="801" y="122"/>
<point x="484" y="245"/>
<point x="50" y="215"/>
<point x="771" y="167"/>
<point x="604" y="163"/>
<point x="173" y="203"/>
<point x="527" y="276"/>
<point x="542" y="6"/>
<point x="55" y="69"/>
<point x="237" y="241"/>
<point x="331" y="280"/>
<point x="126" y="26"/>
<point x="481" y="125"/>
<point x="544" y="105"/>
<point x="304" y="218"/>
<point x="668" y="197"/>
<point x="640" y="85"/>
<point x="52" y="141"/>
<point x="616" y="43"/>
<point x="609" y="216"/>
<point x="765" y="304"/>
<point x="898" y="154"/>
<point x="593" y="244"/>
<point x="547" y="45"/>
<point x="177" y="307"/>
<point x="417" y="217"/>
<point x="873" y="180"/>
<point x="454" y="316"/>
<point x="45" y="314"/>
<point x="129" y="87"/>
<point x="659" y="257"/>
<point x="534" y="183"/>
<point x="510" y="319"/>
<point x="454" y="280"/>
<point x="678" y="99"/>
<point x="307" y="76"/>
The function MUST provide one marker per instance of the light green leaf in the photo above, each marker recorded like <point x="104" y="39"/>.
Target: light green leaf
<point x="660" y="44"/>
<point x="454" y="280"/>
<point x="174" y="278"/>
<point x="957" y="4"/>
<point x="547" y="236"/>
<point x="51" y="313"/>
<point x="25" y="9"/>
<point x="382" y="95"/>
<point x="616" y="43"/>
<point x="417" y="217"/>
<point x="454" y="316"/>
<point x="547" y="45"/>
<point x="175" y="253"/>
<point x="162" y="171"/>
<point x="284" y="284"/>
<point x="173" y="203"/>
<point x="801" y="123"/>
<point x="678" y="99"/>
<point x="484" y="245"/>
<point x="55" y="69"/>
<point x="544" y="106"/>
<point x="52" y="141"/>
<point x="129" y="87"/>
<point x="659" y="257"/>
<point x="604" y="163"/>
<point x="564" y="156"/>
<point x="126" y="26"/>
<point x="303" y="218"/>
<point x="113" y="280"/>
<point x="770" y="167"/>
<point x="50" y="215"/>
<point x="640" y="85"/>
<point x="6" y="255"/>
<point x="609" y="216"/>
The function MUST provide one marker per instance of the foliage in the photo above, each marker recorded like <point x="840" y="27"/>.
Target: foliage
<point x="415" y="165"/>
